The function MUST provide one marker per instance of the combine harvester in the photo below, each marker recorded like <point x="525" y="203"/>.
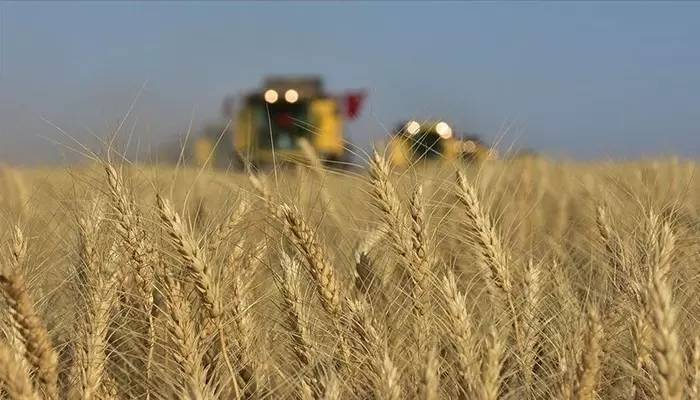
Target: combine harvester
<point x="270" y="123"/>
<point x="420" y="142"/>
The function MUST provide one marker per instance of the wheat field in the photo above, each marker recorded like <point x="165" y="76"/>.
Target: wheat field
<point x="514" y="279"/>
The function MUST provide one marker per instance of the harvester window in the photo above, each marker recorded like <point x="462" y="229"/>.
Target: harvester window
<point x="426" y="145"/>
<point x="284" y="124"/>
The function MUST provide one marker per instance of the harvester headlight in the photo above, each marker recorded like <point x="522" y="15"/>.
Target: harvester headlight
<point x="291" y="96"/>
<point x="412" y="128"/>
<point x="271" y="96"/>
<point x="443" y="130"/>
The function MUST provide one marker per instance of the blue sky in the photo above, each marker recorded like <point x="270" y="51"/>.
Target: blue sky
<point x="587" y="80"/>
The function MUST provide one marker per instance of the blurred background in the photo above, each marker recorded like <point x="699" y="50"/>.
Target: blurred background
<point x="583" y="80"/>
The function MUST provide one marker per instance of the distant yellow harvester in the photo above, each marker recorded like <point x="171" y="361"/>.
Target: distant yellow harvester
<point x="415" y="141"/>
<point x="284" y="111"/>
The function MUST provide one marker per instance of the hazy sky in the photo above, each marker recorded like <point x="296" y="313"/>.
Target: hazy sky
<point x="584" y="79"/>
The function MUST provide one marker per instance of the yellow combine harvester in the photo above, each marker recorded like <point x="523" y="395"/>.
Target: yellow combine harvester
<point x="415" y="141"/>
<point x="271" y="121"/>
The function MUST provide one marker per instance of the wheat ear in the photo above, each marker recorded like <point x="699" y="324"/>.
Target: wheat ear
<point x="18" y="254"/>
<point x="225" y="228"/>
<point x="491" y="251"/>
<point x="37" y="342"/>
<point x="386" y="200"/>
<point x="92" y="353"/>
<point x="193" y="257"/>
<point x="35" y="338"/>
<point x="364" y="275"/>
<point x="430" y="379"/>
<point x="667" y="354"/>
<point x="16" y="382"/>
<point x="591" y="358"/>
<point x="491" y="366"/>
<point x="129" y="227"/>
<point x="297" y="326"/>
<point x="186" y="340"/>
<point x="243" y="333"/>
<point x="88" y="233"/>
<point x="694" y="376"/>
<point x="613" y="246"/>
<point x="199" y="272"/>
<point x="565" y="384"/>
<point x="532" y="296"/>
<point x="317" y="259"/>
<point x="374" y="342"/>
<point x="318" y="170"/>
<point x="640" y="348"/>
<point x="460" y="331"/>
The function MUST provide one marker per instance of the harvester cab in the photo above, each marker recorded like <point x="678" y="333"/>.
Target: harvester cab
<point x="271" y="121"/>
<point x="415" y="141"/>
